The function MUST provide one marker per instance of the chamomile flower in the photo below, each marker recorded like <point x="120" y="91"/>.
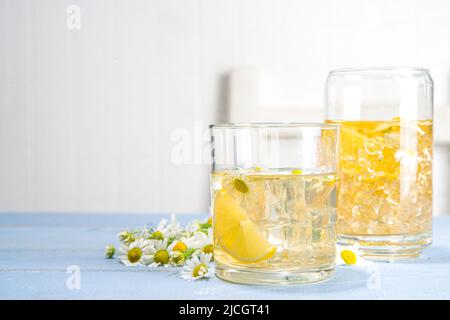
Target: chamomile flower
<point x="110" y="250"/>
<point x="126" y="237"/>
<point x="144" y="233"/>
<point x="350" y="255"/>
<point x="245" y="191"/>
<point x="169" y="244"/>
<point x="197" y="225"/>
<point x="209" y="248"/>
<point x="159" y="254"/>
<point x="136" y="253"/>
<point x="177" y="258"/>
<point x="207" y="245"/>
<point x="201" y="243"/>
<point x="174" y="228"/>
<point x="166" y="229"/>
<point x="237" y="185"/>
<point x="178" y="245"/>
<point x="198" y="267"/>
<point x="192" y="227"/>
<point x="197" y="241"/>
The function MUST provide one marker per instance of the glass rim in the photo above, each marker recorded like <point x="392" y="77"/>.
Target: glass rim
<point x="284" y="125"/>
<point x="362" y="70"/>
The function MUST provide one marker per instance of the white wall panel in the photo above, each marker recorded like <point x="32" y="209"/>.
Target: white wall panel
<point x="88" y="116"/>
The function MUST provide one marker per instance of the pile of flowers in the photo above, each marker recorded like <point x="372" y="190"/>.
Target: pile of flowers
<point x="191" y="247"/>
<point x="169" y="244"/>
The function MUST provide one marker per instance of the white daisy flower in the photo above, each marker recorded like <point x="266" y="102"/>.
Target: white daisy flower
<point x="159" y="254"/>
<point x="110" y="250"/>
<point x="246" y="192"/>
<point x="136" y="253"/>
<point x="197" y="225"/>
<point x="178" y="245"/>
<point x="193" y="245"/>
<point x="126" y="237"/>
<point x="167" y="229"/>
<point x="350" y="255"/>
<point x="207" y="246"/>
<point x="177" y="258"/>
<point x="174" y="228"/>
<point x="197" y="267"/>
<point x="145" y="233"/>
<point x="192" y="227"/>
<point x="197" y="240"/>
<point x="201" y="243"/>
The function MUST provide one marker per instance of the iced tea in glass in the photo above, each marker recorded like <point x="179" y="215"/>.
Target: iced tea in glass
<point x="273" y="189"/>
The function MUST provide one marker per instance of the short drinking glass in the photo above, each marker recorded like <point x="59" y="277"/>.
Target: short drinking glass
<point x="273" y="189"/>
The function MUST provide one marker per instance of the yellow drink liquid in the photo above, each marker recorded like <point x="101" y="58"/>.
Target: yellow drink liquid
<point x="385" y="185"/>
<point x="268" y="220"/>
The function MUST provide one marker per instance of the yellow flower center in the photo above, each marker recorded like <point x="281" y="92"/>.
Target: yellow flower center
<point x="348" y="256"/>
<point x="162" y="256"/>
<point x="157" y="235"/>
<point x="134" y="255"/>
<point x="180" y="246"/>
<point x="197" y="270"/>
<point x="240" y="185"/>
<point x="178" y="258"/>
<point x="297" y="171"/>
<point x="208" y="248"/>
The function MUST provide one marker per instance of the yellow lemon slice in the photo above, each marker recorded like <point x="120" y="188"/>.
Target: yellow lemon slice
<point x="236" y="234"/>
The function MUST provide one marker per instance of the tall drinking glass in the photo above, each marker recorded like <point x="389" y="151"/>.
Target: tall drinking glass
<point x="274" y="202"/>
<point x="386" y="153"/>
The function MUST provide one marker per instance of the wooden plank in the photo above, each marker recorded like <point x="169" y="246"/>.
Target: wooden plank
<point x="34" y="261"/>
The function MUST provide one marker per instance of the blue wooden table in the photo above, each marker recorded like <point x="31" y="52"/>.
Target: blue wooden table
<point x="37" y="249"/>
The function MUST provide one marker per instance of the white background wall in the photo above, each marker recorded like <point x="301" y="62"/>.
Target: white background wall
<point x="89" y="117"/>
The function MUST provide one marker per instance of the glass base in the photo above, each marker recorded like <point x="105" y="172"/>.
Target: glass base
<point x="259" y="277"/>
<point x="389" y="248"/>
